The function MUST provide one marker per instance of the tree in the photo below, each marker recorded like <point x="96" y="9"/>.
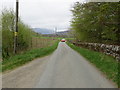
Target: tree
<point x="8" y="28"/>
<point x="96" y="22"/>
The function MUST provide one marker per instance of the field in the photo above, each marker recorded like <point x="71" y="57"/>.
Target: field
<point x="38" y="42"/>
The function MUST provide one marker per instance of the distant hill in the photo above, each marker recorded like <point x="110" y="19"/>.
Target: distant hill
<point x="51" y="33"/>
<point x="43" y="30"/>
<point x="63" y="34"/>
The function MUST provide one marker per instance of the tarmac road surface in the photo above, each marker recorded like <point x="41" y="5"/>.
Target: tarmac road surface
<point x="64" y="68"/>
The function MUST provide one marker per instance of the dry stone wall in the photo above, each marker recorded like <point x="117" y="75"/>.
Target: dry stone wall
<point x="112" y="50"/>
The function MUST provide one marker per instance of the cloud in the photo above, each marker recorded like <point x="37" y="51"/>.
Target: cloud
<point x="44" y="13"/>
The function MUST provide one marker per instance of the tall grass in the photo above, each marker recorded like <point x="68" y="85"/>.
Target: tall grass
<point x="38" y="42"/>
<point x="18" y="60"/>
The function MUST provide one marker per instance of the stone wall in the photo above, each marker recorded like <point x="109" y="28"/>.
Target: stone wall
<point x="112" y="50"/>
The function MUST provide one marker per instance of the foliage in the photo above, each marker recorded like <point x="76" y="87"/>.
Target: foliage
<point x="24" y="36"/>
<point x="106" y="64"/>
<point x="8" y="29"/>
<point x="96" y="22"/>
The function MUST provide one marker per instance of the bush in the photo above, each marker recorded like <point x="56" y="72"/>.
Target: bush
<point x="8" y="29"/>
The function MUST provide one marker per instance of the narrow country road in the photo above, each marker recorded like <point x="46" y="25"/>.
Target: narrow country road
<point x="65" y="68"/>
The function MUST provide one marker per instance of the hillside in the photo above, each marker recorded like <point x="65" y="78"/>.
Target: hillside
<point x="43" y="30"/>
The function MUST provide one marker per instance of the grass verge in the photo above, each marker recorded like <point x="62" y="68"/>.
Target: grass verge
<point x="107" y="64"/>
<point x="18" y="60"/>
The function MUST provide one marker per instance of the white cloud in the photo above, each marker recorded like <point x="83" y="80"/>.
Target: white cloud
<point x="44" y="13"/>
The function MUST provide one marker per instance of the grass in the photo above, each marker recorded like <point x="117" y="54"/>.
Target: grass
<point x="107" y="64"/>
<point x="51" y="37"/>
<point x="21" y="59"/>
<point x="41" y="42"/>
<point x="59" y="38"/>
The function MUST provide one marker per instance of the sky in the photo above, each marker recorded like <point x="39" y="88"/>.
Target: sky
<point x="44" y="13"/>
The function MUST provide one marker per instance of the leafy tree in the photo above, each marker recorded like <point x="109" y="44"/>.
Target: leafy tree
<point x="96" y="22"/>
<point x="8" y="28"/>
<point x="8" y="20"/>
